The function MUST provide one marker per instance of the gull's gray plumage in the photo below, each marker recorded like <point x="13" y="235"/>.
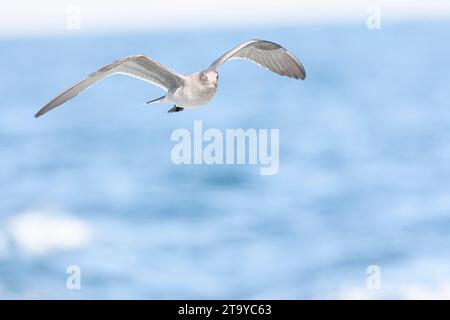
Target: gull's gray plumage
<point x="191" y="90"/>
<point x="267" y="54"/>
<point x="138" y="66"/>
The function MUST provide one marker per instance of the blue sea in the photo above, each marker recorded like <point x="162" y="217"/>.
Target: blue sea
<point x="364" y="177"/>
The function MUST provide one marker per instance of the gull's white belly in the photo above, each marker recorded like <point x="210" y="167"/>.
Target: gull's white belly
<point x="191" y="95"/>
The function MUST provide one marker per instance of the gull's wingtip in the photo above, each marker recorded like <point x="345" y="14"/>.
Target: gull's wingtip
<point x="40" y="113"/>
<point x="302" y="73"/>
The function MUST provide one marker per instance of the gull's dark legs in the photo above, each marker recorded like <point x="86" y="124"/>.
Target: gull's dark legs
<point x="175" y="109"/>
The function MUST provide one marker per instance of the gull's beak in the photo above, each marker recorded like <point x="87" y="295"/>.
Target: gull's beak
<point x="214" y="83"/>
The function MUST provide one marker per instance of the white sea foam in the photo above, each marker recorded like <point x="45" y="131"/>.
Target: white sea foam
<point x="41" y="232"/>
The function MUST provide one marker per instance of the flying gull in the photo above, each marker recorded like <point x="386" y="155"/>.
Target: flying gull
<point x="196" y="89"/>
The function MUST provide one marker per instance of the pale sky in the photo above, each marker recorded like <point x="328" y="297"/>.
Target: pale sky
<point x="47" y="17"/>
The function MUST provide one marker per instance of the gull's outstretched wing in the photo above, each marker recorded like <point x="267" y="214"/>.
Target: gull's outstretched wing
<point x="267" y="54"/>
<point x="138" y="66"/>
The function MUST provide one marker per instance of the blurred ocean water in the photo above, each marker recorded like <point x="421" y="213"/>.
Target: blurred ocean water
<point x="364" y="170"/>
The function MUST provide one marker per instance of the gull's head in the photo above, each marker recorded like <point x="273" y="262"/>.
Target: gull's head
<point x="209" y="78"/>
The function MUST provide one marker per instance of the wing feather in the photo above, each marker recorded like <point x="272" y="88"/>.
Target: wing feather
<point x="138" y="66"/>
<point x="267" y="54"/>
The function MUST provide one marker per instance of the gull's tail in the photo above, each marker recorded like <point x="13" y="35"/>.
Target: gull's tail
<point x="159" y="100"/>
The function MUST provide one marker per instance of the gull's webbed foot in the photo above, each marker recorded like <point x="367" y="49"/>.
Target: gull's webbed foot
<point x="175" y="109"/>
